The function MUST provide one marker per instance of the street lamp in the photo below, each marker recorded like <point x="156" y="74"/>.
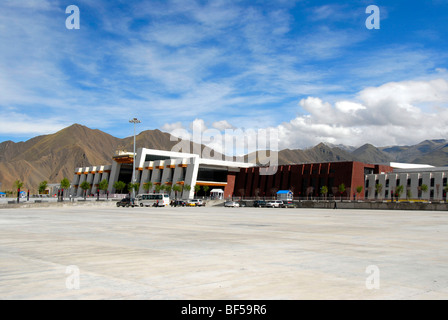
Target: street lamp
<point x="134" y="121"/>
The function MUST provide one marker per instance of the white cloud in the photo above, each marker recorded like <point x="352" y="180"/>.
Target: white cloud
<point x="226" y="63"/>
<point x="222" y="125"/>
<point x="24" y="125"/>
<point x="169" y="127"/>
<point x="394" y="113"/>
<point x="405" y="112"/>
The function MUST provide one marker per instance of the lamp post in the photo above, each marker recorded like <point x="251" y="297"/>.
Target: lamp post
<point x="134" y="121"/>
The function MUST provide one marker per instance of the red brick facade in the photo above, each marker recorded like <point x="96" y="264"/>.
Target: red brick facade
<point x="306" y="180"/>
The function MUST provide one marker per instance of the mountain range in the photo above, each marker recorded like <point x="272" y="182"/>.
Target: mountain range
<point x="55" y="156"/>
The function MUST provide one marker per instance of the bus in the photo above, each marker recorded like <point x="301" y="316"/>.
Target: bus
<point x="153" y="199"/>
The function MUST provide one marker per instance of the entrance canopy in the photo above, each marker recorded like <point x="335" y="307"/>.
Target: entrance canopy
<point x="217" y="193"/>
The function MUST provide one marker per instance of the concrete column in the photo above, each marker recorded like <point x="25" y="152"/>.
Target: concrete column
<point x="90" y="180"/>
<point x="191" y="177"/>
<point x="370" y="186"/>
<point x="403" y="182"/>
<point x="392" y="184"/>
<point x="167" y="177"/>
<point x="146" y="175"/>
<point x="114" y="174"/>
<point x="413" y="188"/>
<point x="426" y="179"/>
<point x="381" y="180"/>
<point x="438" y="185"/>
<point x="177" y="174"/>
<point x="96" y="179"/>
<point x="157" y="173"/>
<point x="75" y="182"/>
<point x="82" y="178"/>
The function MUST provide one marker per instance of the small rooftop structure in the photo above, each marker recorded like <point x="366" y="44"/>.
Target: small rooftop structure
<point x="398" y="165"/>
<point x="285" y="195"/>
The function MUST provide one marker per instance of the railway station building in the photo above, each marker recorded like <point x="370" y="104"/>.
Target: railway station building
<point x="240" y="179"/>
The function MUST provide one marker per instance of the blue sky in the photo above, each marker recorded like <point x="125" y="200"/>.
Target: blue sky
<point x="309" y="69"/>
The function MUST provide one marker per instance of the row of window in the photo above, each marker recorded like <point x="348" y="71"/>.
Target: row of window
<point x="420" y="182"/>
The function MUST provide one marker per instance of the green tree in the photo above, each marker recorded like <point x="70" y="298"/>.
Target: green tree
<point x="158" y="188"/>
<point x="341" y="189"/>
<point x="85" y="186"/>
<point x="177" y="188"/>
<point x="65" y="184"/>
<point x="424" y="188"/>
<point x="359" y="190"/>
<point x="133" y="186"/>
<point x="196" y="189"/>
<point x="103" y="185"/>
<point x="324" y="191"/>
<point x="378" y="189"/>
<point x="187" y="187"/>
<point x="168" y="188"/>
<point x="120" y="186"/>
<point x="205" y="188"/>
<point x="18" y="185"/>
<point x="399" y="191"/>
<point x="42" y="187"/>
<point x="147" y="186"/>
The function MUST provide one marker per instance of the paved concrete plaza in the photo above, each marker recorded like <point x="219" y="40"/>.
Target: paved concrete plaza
<point x="104" y="252"/>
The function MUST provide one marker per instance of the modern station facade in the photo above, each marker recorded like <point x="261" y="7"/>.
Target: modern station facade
<point x="411" y="180"/>
<point x="241" y="179"/>
<point x="161" y="168"/>
<point x="306" y="180"/>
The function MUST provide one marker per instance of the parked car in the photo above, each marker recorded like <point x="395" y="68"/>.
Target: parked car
<point x="274" y="204"/>
<point x="201" y="203"/>
<point x="231" y="204"/>
<point x="191" y="203"/>
<point x="259" y="203"/>
<point x="125" y="202"/>
<point x="178" y="203"/>
<point x="195" y="203"/>
<point x="287" y="204"/>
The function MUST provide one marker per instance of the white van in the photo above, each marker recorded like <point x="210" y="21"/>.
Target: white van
<point x="152" y="200"/>
<point x="274" y="204"/>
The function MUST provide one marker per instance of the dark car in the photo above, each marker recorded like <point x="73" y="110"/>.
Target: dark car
<point x="178" y="203"/>
<point x="259" y="203"/>
<point x="288" y="204"/>
<point x="125" y="202"/>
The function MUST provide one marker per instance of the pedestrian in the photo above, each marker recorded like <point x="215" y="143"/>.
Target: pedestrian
<point x="335" y="206"/>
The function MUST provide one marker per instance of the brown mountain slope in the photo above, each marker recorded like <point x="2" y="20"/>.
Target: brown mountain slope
<point x="437" y="157"/>
<point x="54" y="157"/>
<point x="431" y="152"/>
<point x="319" y="153"/>
<point x="369" y="153"/>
